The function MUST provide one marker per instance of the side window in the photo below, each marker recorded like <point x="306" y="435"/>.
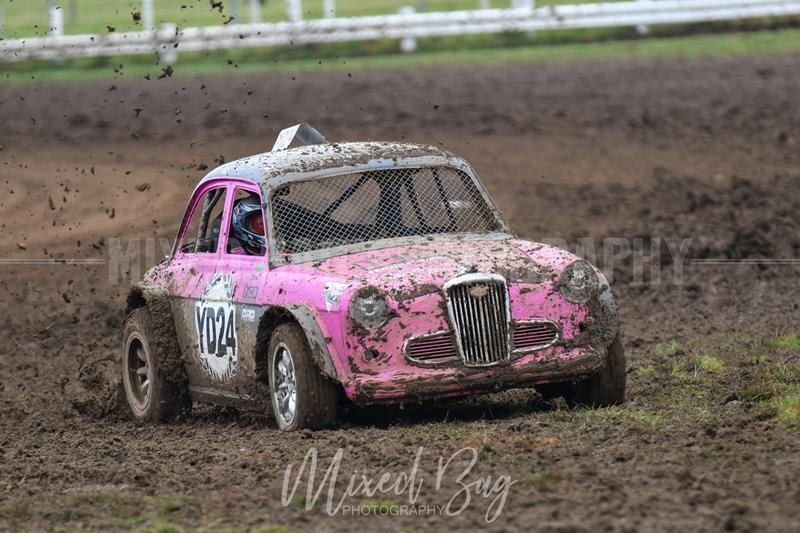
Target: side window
<point x="202" y="234"/>
<point x="247" y="235"/>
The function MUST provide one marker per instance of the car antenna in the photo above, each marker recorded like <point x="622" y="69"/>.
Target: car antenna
<point x="303" y="132"/>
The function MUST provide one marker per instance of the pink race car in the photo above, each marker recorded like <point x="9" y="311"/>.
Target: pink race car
<point x="382" y="271"/>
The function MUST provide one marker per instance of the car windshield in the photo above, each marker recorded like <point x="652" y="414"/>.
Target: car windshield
<point x="378" y="204"/>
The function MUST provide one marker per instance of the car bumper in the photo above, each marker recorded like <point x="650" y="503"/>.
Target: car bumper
<point x="415" y="384"/>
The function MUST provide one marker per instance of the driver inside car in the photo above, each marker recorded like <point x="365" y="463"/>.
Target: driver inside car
<point x="247" y="228"/>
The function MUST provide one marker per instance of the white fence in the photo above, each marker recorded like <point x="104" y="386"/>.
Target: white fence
<point x="406" y="27"/>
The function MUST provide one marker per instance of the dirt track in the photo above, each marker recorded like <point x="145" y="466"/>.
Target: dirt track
<point x="707" y="150"/>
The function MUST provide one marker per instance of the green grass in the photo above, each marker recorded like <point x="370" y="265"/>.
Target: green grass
<point x="787" y="408"/>
<point x="541" y="480"/>
<point x="271" y="528"/>
<point x="667" y="348"/>
<point x="238" y="62"/>
<point x="25" y="18"/>
<point x="623" y="414"/>
<point x="788" y="342"/>
<point x="122" y="510"/>
<point x="709" y="363"/>
<point x="16" y="511"/>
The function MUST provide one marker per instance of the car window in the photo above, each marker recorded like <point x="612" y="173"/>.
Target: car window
<point x="246" y="235"/>
<point x="378" y="204"/>
<point x="202" y="234"/>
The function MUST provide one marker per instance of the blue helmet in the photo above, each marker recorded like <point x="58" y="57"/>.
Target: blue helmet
<point x="248" y="225"/>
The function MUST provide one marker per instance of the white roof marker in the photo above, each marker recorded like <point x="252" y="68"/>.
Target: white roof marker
<point x="302" y="132"/>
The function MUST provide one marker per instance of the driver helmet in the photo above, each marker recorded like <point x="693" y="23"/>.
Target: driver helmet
<point x="248" y="224"/>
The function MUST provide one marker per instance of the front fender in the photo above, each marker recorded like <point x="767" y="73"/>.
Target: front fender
<point x="606" y="314"/>
<point x="308" y="320"/>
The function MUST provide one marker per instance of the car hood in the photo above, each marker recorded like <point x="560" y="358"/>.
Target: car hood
<point x="416" y="269"/>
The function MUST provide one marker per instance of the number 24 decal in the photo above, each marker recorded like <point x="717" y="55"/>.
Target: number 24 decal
<point x="216" y="329"/>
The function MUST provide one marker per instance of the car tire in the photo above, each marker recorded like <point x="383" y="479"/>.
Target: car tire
<point x="604" y="388"/>
<point x="301" y="397"/>
<point x="607" y="386"/>
<point x="153" y="377"/>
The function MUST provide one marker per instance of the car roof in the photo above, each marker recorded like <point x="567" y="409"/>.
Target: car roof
<point x="280" y="166"/>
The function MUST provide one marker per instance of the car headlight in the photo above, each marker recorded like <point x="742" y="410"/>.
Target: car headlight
<point x="578" y="282"/>
<point x="368" y="308"/>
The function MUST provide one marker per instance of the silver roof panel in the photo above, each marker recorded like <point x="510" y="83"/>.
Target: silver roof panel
<point x="272" y="168"/>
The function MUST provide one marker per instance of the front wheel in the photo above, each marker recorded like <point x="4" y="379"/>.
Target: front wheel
<point x="302" y="398"/>
<point x="604" y="388"/>
<point x="607" y="386"/>
<point x="152" y="393"/>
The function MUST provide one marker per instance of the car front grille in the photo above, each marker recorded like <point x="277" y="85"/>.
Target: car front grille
<point x="432" y="349"/>
<point x="533" y="335"/>
<point x="478" y="307"/>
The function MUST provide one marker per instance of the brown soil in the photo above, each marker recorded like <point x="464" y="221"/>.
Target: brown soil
<point x="706" y="149"/>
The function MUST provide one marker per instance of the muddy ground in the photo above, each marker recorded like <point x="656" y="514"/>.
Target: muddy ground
<point x="703" y="152"/>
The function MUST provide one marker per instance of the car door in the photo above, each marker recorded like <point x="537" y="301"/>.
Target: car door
<point x="201" y="294"/>
<point x="243" y="254"/>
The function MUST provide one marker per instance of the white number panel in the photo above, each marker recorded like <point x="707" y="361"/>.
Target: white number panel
<point x="215" y="321"/>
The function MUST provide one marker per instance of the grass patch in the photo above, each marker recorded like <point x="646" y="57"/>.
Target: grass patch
<point x="487" y="451"/>
<point x="787" y="342"/>
<point x="698" y="370"/>
<point x="759" y="373"/>
<point x="541" y="480"/>
<point x="457" y="434"/>
<point x="271" y="528"/>
<point x="709" y="363"/>
<point x="117" y="504"/>
<point x="754" y="394"/>
<point x="298" y="501"/>
<point x="17" y="512"/>
<point x="624" y="414"/>
<point x="787" y="409"/>
<point x="667" y="348"/>
<point x="165" y="527"/>
<point x="134" y="521"/>
<point x="468" y="51"/>
<point x="117" y="509"/>
<point x="648" y="370"/>
<point x="610" y="415"/>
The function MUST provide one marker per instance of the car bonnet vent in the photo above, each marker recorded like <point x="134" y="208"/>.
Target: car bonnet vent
<point x="302" y="132"/>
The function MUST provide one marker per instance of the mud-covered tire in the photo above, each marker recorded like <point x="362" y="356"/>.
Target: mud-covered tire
<point x="604" y="388"/>
<point x="607" y="386"/>
<point x="315" y="398"/>
<point x="153" y="378"/>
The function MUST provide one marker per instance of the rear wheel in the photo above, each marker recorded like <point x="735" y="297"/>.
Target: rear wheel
<point x="152" y="395"/>
<point x="604" y="388"/>
<point x="302" y="398"/>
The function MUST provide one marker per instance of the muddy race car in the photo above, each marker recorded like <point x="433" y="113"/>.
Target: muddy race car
<point x="379" y="272"/>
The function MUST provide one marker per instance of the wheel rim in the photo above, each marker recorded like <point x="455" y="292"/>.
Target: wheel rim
<point x="138" y="371"/>
<point x="284" y="390"/>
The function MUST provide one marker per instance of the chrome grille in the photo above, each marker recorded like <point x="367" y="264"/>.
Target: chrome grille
<point x="432" y="349"/>
<point x="533" y="335"/>
<point x="478" y="306"/>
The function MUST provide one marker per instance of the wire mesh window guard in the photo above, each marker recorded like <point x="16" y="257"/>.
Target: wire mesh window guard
<point x="377" y="204"/>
